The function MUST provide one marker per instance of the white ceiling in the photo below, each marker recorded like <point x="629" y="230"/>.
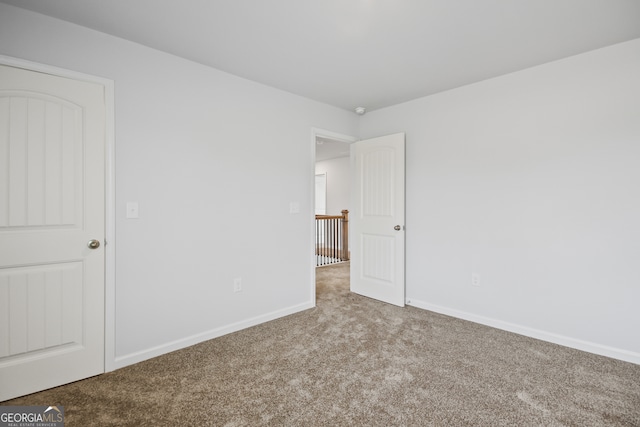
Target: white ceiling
<point x="349" y="53"/>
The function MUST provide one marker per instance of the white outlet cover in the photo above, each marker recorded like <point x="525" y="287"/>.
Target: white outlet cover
<point x="132" y="210"/>
<point x="475" y="279"/>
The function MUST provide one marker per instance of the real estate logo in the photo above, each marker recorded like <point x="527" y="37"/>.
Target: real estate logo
<point x="31" y="416"/>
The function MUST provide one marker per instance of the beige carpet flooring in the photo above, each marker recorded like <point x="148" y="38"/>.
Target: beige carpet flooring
<point x="353" y="361"/>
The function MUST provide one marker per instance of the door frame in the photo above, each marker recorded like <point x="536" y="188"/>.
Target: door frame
<point x="110" y="247"/>
<point x="319" y="133"/>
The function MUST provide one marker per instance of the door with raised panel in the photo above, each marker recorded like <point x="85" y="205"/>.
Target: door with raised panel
<point x="377" y="218"/>
<point x="52" y="228"/>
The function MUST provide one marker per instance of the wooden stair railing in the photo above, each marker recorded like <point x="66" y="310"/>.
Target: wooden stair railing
<point x="332" y="238"/>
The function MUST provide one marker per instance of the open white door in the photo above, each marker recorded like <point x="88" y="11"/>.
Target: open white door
<point x="377" y="218"/>
<point x="52" y="228"/>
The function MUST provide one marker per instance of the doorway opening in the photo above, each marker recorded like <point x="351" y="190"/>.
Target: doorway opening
<point x="332" y="178"/>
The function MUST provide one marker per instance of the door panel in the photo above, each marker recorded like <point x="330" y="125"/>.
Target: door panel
<point x="52" y="136"/>
<point x="43" y="135"/>
<point x="44" y="304"/>
<point x="377" y="252"/>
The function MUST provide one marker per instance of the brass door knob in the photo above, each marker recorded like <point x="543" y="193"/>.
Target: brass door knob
<point x="93" y="244"/>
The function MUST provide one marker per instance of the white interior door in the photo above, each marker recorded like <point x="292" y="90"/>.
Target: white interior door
<point x="377" y="218"/>
<point x="52" y="203"/>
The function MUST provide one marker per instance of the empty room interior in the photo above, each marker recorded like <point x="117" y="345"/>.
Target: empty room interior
<point x="191" y="175"/>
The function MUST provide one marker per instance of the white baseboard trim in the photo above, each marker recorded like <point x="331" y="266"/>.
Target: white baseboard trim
<point x="130" y="359"/>
<point x="577" y="344"/>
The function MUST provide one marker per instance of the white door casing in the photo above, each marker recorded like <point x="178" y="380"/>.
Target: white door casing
<point x="377" y="218"/>
<point x="52" y="202"/>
